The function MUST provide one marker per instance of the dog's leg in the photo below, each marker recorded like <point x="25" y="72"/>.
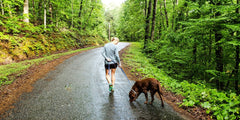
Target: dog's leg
<point x="146" y="96"/>
<point x="160" y="94"/>
<point x="152" y="95"/>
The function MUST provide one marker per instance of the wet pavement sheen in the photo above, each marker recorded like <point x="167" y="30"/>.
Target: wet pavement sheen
<point x="77" y="90"/>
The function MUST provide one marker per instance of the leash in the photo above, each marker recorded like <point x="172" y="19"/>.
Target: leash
<point x="125" y="75"/>
<point x="128" y="80"/>
<point x="109" y="69"/>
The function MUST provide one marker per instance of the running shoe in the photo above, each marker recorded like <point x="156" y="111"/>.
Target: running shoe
<point x="110" y="88"/>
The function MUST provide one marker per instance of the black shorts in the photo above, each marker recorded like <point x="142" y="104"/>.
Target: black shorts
<point x="112" y="66"/>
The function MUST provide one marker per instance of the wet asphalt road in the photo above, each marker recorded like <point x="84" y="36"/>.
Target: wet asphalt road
<point x="77" y="90"/>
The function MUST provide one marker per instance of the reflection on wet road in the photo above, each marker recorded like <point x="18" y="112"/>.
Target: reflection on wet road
<point x="77" y="90"/>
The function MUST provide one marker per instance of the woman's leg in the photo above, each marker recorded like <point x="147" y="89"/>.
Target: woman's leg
<point x="113" y="75"/>
<point x="107" y="75"/>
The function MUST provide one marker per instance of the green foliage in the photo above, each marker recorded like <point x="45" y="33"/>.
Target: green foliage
<point x="130" y="14"/>
<point x="10" y="72"/>
<point x="193" y="40"/>
<point x="220" y="104"/>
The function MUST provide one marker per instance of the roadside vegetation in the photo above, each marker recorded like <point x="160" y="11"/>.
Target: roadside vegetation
<point x="194" y="46"/>
<point x="220" y="104"/>
<point x="30" y="29"/>
<point x="41" y="28"/>
<point x="10" y="72"/>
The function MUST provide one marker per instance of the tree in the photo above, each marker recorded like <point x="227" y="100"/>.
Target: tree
<point x="45" y="15"/>
<point x="166" y="14"/>
<point x="153" y="19"/>
<point x="2" y="7"/>
<point x="237" y="58"/>
<point x="147" y="24"/>
<point x="26" y="11"/>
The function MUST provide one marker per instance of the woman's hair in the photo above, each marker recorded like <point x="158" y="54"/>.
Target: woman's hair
<point x="114" y="38"/>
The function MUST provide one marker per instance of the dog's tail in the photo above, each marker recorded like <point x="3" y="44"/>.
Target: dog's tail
<point x="160" y="93"/>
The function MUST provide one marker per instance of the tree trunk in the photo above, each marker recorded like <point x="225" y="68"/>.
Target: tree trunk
<point x="166" y="14"/>
<point x="45" y="15"/>
<point x="80" y="13"/>
<point x="195" y="52"/>
<point x="72" y="14"/>
<point x="80" y="9"/>
<point x="160" y="23"/>
<point x="26" y="12"/>
<point x="2" y="7"/>
<point x="237" y="59"/>
<point x="218" y="52"/>
<point x="51" y="12"/>
<point x="219" y="56"/>
<point x="145" y="8"/>
<point x="173" y="16"/>
<point x="153" y="19"/>
<point x="147" y="26"/>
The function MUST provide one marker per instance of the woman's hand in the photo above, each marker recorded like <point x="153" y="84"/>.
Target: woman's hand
<point x="109" y="60"/>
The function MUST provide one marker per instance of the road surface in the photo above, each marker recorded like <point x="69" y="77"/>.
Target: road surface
<point x="77" y="90"/>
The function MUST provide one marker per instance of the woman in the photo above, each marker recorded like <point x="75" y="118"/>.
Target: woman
<point x="112" y="60"/>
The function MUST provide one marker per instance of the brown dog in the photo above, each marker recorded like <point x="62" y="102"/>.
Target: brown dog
<point x="145" y="85"/>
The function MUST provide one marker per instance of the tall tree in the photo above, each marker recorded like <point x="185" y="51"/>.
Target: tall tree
<point x="237" y="59"/>
<point x="166" y="14"/>
<point x="45" y="15"/>
<point x="218" y="50"/>
<point x="80" y="13"/>
<point x="147" y="23"/>
<point x="72" y="14"/>
<point x="153" y="19"/>
<point x="2" y="7"/>
<point x="26" y="11"/>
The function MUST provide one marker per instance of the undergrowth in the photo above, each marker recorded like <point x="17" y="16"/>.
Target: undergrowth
<point x="219" y="104"/>
<point x="9" y="72"/>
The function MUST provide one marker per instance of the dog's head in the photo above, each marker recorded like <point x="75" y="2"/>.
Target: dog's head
<point x="132" y="95"/>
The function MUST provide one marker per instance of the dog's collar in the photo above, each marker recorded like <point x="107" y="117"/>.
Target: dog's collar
<point x="134" y="91"/>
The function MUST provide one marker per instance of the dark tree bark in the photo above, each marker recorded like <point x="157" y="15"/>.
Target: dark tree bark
<point x="237" y="59"/>
<point x="80" y="13"/>
<point x="145" y="8"/>
<point x="147" y="26"/>
<point x="153" y="19"/>
<point x="161" y="21"/>
<point x="166" y="14"/>
<point x="219" y="56"/>
<point x="80" y="9"/>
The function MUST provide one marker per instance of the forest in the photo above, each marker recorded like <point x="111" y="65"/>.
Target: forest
<point x="195" y="42"/>
<point x="33" y="28"/>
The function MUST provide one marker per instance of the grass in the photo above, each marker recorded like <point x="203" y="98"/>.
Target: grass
<point x="219" y="104"/>
<point x="9" y="72"/>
